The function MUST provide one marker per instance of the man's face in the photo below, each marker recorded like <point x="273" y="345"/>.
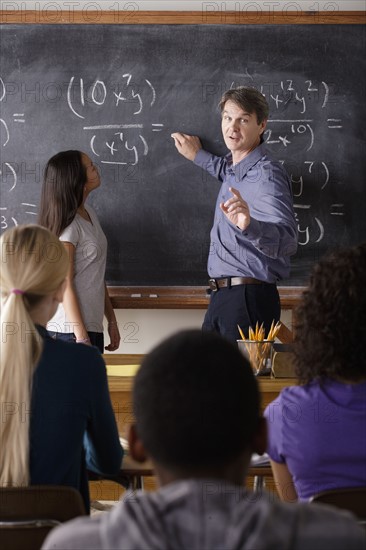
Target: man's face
<point x="240" y="130"/>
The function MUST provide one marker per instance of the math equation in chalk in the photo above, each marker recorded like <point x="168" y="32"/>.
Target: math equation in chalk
<point x="121" y="141"/>
<point x="116" y="117"/>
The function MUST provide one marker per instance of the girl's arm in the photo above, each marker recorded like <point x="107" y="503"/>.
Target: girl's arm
<point x="71" y="301"/>
<point x="284" y="482"/>
<point x="112" y="323"/>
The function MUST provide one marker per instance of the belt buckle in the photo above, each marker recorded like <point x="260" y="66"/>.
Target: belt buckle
<point x="213" y="285"/>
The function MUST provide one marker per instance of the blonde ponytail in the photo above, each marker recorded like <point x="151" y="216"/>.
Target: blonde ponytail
<point x="33" y="265"/>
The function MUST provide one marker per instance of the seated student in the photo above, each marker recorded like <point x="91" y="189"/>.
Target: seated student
<point x="56" y="415"/>
<point x="317" y="430"/>
<point x="196" y="404"/>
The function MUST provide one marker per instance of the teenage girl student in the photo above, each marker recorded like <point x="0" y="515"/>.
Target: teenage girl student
<point x="69" y="178"/>
<point x="317" y="429"/>
<point x="56" y="419"/>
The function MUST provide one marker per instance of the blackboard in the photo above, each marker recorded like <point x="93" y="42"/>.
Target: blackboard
<point x="118" y="91"/>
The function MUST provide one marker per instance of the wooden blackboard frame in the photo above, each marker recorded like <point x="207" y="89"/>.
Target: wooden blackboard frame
<point x="136" y="17"/>
<point x="175" y="297"/>
<point x="182" y="297"/>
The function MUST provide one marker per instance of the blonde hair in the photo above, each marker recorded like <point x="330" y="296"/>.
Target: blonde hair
<point x="34" y="264"/>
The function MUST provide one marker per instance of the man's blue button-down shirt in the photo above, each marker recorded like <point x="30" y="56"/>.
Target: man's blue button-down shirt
<point x="264" y="248"/>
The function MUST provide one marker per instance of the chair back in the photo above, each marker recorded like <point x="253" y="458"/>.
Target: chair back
<point x="27" y="514"/>
<point x="352" y="499"/>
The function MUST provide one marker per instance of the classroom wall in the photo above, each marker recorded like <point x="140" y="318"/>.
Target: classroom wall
<point x="142" y="329"/>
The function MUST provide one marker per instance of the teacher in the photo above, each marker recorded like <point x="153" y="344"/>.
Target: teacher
<point x="254" y="231"/>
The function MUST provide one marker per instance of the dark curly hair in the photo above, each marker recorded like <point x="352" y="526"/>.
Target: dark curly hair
<point x="330" y="323"/>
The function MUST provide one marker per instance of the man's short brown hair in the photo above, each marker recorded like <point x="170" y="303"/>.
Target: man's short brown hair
<point x="249" y="99"/>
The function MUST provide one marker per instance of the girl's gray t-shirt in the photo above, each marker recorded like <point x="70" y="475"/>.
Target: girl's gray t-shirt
<point x="89" y="273"/>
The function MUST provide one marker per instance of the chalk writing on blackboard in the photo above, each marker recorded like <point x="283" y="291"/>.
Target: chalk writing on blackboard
<point x="295" y="129"/>
<point x="121" y="146"/>
<point x="124" y="140"/>
<point x="7" y="171"/>
<point x="289" y="93"/>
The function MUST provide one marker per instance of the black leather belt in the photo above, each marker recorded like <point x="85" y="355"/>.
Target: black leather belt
<point x="227" y="282"/>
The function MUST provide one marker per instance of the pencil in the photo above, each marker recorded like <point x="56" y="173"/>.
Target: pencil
<point x="241" y="333"/>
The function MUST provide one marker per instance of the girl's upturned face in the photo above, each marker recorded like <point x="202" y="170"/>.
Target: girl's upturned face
<point x="92" y="174"/>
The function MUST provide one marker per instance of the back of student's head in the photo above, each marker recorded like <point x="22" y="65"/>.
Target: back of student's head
<point x="33" y="265"/>
<point x="62" y="190"/>
<point x="196" y="401"/>
<point x="331" y="319"/>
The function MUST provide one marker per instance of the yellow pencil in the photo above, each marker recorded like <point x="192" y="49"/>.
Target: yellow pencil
<point x="241" y="333"/>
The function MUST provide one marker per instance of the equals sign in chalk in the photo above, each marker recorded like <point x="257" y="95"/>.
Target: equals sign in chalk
<point x="334" y="122"/>
<point x="19" y="117"/>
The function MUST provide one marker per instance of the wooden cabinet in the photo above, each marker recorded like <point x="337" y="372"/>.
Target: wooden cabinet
<point x="120" y="379"/>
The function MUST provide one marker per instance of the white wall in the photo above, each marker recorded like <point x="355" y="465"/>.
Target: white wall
<point x="141" y="329"/>
<point x="188" y="5"/>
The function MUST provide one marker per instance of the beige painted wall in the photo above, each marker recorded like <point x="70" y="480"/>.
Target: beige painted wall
<point x="141" y="329"/>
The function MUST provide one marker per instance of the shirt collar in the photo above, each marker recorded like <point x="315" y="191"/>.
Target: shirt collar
<point x="241" y="168"/>
<point x="42" y="331"/>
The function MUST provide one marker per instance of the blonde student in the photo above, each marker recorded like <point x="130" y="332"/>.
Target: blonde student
<point x="56" y="415"/>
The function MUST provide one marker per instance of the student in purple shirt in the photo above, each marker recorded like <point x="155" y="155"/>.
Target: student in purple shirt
<point x="254" y="231"/>
<point x="317" y="430"/>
